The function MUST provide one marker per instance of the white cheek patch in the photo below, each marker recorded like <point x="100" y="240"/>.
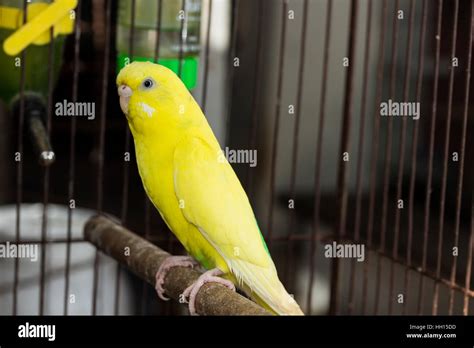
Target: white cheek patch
<point x="147" y="109"/>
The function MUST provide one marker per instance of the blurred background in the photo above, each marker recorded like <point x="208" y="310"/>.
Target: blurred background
<point x="300" y="81"/>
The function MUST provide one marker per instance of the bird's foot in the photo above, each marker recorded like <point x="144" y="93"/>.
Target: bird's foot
<point x="169" y="262"/>
<point x="210" y="276"/>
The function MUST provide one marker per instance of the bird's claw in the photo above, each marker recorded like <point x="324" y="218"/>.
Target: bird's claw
<point x="211" y="276"/>
<point x="169" y="262"/>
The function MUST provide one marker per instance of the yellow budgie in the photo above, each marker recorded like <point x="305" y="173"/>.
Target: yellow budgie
<point x="195" y="189"/>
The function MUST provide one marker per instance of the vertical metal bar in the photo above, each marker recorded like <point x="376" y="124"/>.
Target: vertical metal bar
<point x="375" y="148"/>
<point x="19" y="168"/>
<point x="445" y="160"/>
<point x="206" y="57"/>
<point x="431" y="152"/>
<point x="100" y="174"/>
<point x="388" y="157"/>
<point x="44" y="224"/>
<point x="401" y="155"/>
<point x="181" y="38"/>
<point x="296" y="129"/>
<point x="466" y="103"/>
<point x="411" y="207"/>
<point x="158" y="31"/>
<point x="72" y="153"/>
<point x="103" y="110"/>
<point x="461" y="170"/>
<point x="319" y="145"/>
<point x="281" y="61"/>
<point x="256" y="94"/>
<point x="232" y="55"/>
<point x="360" y="150"/>
<point x="344" y="148"/>
<point x="126" y="168"/>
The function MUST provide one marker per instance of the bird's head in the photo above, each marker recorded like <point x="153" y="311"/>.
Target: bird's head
<point x="152" y="96"/>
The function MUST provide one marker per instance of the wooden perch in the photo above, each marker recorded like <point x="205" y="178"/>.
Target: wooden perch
<point x="143" y="258"/>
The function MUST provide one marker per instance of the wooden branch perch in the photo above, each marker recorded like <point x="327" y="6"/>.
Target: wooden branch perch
<point x="144" y="259"/>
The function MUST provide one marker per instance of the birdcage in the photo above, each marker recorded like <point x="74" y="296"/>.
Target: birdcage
<point x="354" y="120"/>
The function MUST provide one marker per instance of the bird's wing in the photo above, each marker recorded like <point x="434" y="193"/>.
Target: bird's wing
<point x="214" y="201"/>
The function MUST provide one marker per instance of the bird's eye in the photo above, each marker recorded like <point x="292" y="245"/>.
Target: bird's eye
<point x="148" y="83"/>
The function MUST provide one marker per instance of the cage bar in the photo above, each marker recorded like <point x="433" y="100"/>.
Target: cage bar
<point x="319" y="146"/>
<point x="360" y="151"/>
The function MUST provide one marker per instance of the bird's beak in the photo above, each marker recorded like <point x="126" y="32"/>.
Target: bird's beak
<point x="125" y="93"/>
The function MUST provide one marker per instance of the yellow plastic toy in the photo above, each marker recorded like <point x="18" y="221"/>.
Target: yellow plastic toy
<point x="41" y="17"/>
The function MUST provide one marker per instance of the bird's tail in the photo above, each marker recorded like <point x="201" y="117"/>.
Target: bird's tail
<point x="264" y="287"/>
